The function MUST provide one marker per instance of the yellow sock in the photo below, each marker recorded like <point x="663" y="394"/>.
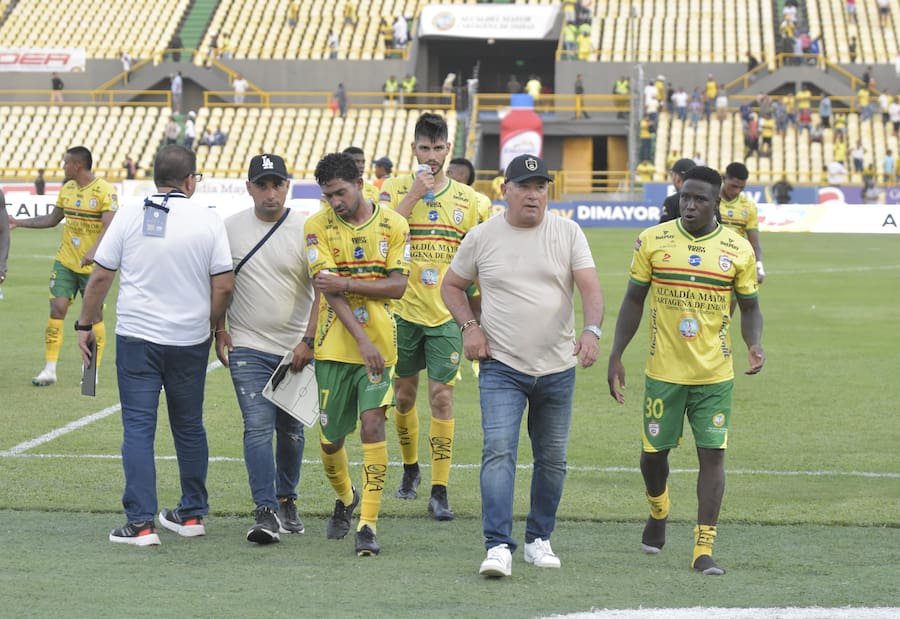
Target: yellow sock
<point x="375" y="461"/>
<point x="408" y="432"/>
<point x="100" y="335"/>
<point x="704" y="536"/>
<point x="440" y="436"/>
<point x="659" y="505"/>
<point x="337" y="472"/>
<point x="53" y="337"/>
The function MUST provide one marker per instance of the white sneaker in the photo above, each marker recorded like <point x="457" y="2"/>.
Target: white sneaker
<point x="539" y="554"/>
<point x="498" y="562"/>
<point x="44" y="379"/>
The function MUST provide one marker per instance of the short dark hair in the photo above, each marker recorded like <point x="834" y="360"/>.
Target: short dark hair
<point x="354" y="150"/>
<point x="467" y="164"/>
<point x="82" y="153"/>
<point x="336" y="165"/>
<point x="737" y="170"/>
<point x="705" y="174"/>
<point x="173" y="164"/>
<point x="431" y="127"/>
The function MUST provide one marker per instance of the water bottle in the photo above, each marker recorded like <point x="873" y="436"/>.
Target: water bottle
<point x="424" y="167"/>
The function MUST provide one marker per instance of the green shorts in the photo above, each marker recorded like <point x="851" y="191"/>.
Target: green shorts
<point x="437" y="348"/>
<point x="707" y="407"/>
<point x="345" y="391"/>
<point x="66" y="283"/>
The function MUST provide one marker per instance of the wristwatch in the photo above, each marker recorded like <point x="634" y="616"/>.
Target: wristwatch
<point x="593" y="329"/>
<point x="87" y="327"/>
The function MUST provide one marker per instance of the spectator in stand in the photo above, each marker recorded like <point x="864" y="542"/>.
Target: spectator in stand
<point x="225" y="46"/>
<point x="513" y="86"/>
<point x="349" y="13"/>
<point x="219" y="137"/>
<point x="190" y="131"/>
<point x="130" y="168"/>
<point x="698" y="159"/>
<point x="752" y="63"/>
<point x="240" y="85"/>
<point x="333" y="44"/>
<point x="851" y="12"/>
<point x="804" y="120"/>
<point x="533" y="87"/>
<point x="782" y="190"/>
<point x="889" y="167"/>
<point x="391" y="89"/>
<point x="696" y="107"/>
<point x="837" y="173"/>
<point x="825" y="111"/>
<point x="177" y="89"/>
<point x="709" y="96"/>
<point x="767" y="132"/>
<point x="867" y="76"/>
<point x="579" y="98"/>
<point x="751" y="137"/>
<point x="851" y="46"/>
<point x="39" y="183"/>
<point x="816" y="133"/>
<point x="780" y="114"/>
<point x="884" y="104"/>
<point x="839" y="148"/>
<point x="176" y="45"/>
<point x="864" y="103"/>
<point x="680" y="101"/>
<point x="56" y="84"/>
<point x="172" y="131"/>
<point x="401" y="32"/>
<point x="293" y="13"/>
<point x="894" y="114"/>
<point x="387" y="33"/>
<point x="870" y="193"/>
<point x="670" y="92"/>
<point x="647" y="129"/>
<point x="884" y="13"/>
<point x="208" y="138"/>
<point x="340" y="99"/>
<point x="858" y="155"/>
<point x="721" y="103"/>
<point x="125" y="59"/>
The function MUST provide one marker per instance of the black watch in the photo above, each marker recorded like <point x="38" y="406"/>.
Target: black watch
<point x="87" y="327"/>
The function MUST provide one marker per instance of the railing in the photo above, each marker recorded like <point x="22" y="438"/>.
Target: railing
<point x="75" y="98"/>
<point x="355" y="99"/>
<point x="489" y="102"/>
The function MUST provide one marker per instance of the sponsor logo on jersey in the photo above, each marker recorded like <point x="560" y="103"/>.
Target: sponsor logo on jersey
<point x="637" y="245"/>
<point x="698" y="249"/>
<point x="433" y="215"/>
<point x="667" y="256"/>
<point x="694" y="260"/>
<point x="362" y="315"/>
<point x="385" y="196"/>
<point x="312" y="239"/>
<point x="430" y="276"/>
<point x="359" y="253"/>
<point x="689" y="328"/>
<point x="312" y="254"/>
<point x="92" y="203"/>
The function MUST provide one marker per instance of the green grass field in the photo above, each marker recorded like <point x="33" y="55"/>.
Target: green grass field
<point x="811" y="515"/>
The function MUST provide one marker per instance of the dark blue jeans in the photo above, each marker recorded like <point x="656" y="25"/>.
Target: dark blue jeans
<point x="504" y="395"/>
<point x="269" y="478"/>
<point x="144" y="368"/>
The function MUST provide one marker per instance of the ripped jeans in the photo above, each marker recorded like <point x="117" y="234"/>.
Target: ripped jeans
<point x="270" y="477"/>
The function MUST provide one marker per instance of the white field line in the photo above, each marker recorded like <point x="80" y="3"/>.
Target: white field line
<point x="75" y="425"/>
<point x="814" y="612"/>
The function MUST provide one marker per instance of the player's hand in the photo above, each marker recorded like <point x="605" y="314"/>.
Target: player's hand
<point x="13" y="222"/>
<point x="303" y="354"/>
<point x="327" y="283"/>
<point x="223" y="344"/>
<point x="757" y="358"/>
<point x="85" y="338"/>
<point x="372" y="358"/>
<point x="475" y="344"/>
<point x="88" y="258"/>
<point x="587" y="349"/>
<point x="423" y="183"/>
<point x="615" y="376"/>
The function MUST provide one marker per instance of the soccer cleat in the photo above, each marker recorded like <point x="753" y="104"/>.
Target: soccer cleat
<point x="339" y="523"/>
<point x="498" y="562"/>
<point x="366" y="546"/>
<point x="288" y="518"/>
<point x="44" y="379"/>
<point x="706" y="566"/>
<point x="654" y="536"/>
<point x="136" y="534"/>
<point x="540" y="554"/>
<point x="187" y="526"/>
<point x="409" y="485"/>
<point x="438" y="506"/>
<point x="265" y="531"/>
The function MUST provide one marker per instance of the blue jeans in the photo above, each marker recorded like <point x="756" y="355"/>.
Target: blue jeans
<point x="504" y="394"/>
<point x="270" y="478"/>
<point x="144" y="368"/>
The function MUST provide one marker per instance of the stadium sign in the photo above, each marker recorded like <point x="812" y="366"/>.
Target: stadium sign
<point x="484" y="21"/>
<point x="52" y="59"/>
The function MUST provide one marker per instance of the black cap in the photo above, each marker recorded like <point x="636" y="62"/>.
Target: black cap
<point x="683" y="165"/>
<point x="267" y="165"/>
<point x="524" y="167"/>
<point x="385" y="163"/>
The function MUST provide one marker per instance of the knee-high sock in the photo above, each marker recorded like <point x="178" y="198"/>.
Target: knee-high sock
<point x="704" y="537"/>
<point x="440" y="436"/>
<point x="659" y="505"/>
<point x="53" y="338"/>
<point x="375" y="460"/>
<point x="338" y="474"/>
<point x="408" y="432"/>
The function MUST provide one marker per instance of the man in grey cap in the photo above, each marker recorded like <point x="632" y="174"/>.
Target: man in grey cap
<point x="528" y="253"/>
<point x="670" y="208"/>
<point x="272" y="312"/>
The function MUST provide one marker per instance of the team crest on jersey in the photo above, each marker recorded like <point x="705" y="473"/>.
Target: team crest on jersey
<point x="637" y="245"/>
<point x="114" y="202"/>
<point x="653" y="428"/>
<point x="312" y="254"/>
<point x="430" y="277"/>
<point x="725" y="263"/>
<point x="384" y="196"/>
<point x="359" y="253"/>
<point x="433" y="215"/>
<point x="362" y="315"/>
<point x="718" y="420"/>
<point x="406" y="249"/>
<point x="689" y="328"/>
<point x="694" y="260"/>
<point x="454" y="358"/>
<point x="312" y="239"/>
<point x="323" y="419"/>
<point x="744" y="213"/>
<point x="383" y="248"/>
<point x="458" y="216"/>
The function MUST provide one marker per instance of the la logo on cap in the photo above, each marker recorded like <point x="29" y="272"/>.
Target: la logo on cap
<point x="531" y="164"/>
<point x="267" y="163"/>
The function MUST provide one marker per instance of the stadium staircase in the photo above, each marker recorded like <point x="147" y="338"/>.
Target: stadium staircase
<point x="196" y="21"/>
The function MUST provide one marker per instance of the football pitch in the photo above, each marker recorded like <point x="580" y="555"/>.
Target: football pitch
<point x="811" y="516"/>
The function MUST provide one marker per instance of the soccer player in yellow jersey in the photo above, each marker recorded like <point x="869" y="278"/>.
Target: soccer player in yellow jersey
<point x="370" y="191"/>
<point x="88" y="204"/>
<point x="689" y="266"/>
<point x="461" y="170"/>
<point x="358" y="256"/>
<point x="428" y="337"/>
<point x="738" y="212"/>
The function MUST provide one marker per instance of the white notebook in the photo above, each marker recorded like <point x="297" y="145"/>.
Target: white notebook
<point x="295" y="393"/>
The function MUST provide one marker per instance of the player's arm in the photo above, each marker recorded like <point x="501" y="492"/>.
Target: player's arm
<point x="587" y="348"/>
<point x="751" y="331"/>
<point x="453" y="293"/>
<point x="753" y="238"/>
<point x="43" y="221"/>
<point x="424" y="181"/>
<point x="94" y="293"/>
<point x="106" y="217"/>
<point x="304" y="352"/>
<point x="372" y="357"/>
<point x="222" y="285"/>
<point x="627" y="324"/>
<point x="391" y="287"/>
<point x="4" y="237"/>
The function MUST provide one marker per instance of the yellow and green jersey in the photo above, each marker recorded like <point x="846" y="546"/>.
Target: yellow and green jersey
<point x="739" y="214"/>
<point x="367" y="252"/>
<point x="83" y="208"/>
<point x="370" y="191"/>
<point x="485" y="208"/>
<point x="436" y="229"/>
<point x="691" y="281"/>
